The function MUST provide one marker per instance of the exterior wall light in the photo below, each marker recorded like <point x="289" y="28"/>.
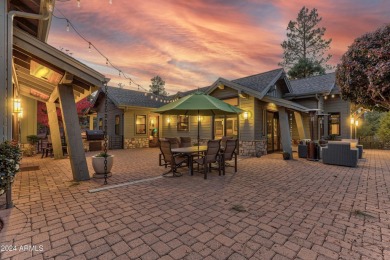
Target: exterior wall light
<point x="246" y="115"/>
<point x="200" y="118"/>
<point x="17" y="106"/>
<point x="356" y="123"/>
<point x="169" y="120"/>
<point x="333" y="96"/>
<point x="352" y="120"/>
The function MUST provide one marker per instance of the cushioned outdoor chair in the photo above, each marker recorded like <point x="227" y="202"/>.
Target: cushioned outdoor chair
<point x="229" y="154"/>
<point x="185" y="142"/>
<point x="172" y="160"/>
<point x="340" y="153"/>
<point x="209" y="157"/>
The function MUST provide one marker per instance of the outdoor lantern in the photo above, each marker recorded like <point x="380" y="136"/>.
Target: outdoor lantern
<point x="17" y="106"/>
<point x="352" y="121"/>
<point x="246" y="115"/>
<point x="169" y="120"/>
<point x="199" y="118"/>
<point x="357" y="123"/>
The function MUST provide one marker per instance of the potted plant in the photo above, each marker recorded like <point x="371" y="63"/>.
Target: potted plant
<point x="98" y="164"/>
<point x="32" y="139"/>
<point x="10" y="156"/>
<point x="286" y="156"/>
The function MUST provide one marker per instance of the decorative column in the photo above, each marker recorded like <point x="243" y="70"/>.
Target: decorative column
<point x="78" y="161"/>
<point x="55" y="134"/>
<point x="300" y="127"/>
<point x="285" y="131"/>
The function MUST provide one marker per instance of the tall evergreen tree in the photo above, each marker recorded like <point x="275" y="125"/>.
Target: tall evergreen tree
<point x="304" y="51"/>
<point x="157" y="86"/>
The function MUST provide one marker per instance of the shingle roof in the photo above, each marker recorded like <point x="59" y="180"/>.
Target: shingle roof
<point x="127" y="97"/>
<point x="260" y="82"/>
<point x="322" y="84"/>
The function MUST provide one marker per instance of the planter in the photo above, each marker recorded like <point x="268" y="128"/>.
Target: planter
<point x="98" y="165"/>
<point x="286" y="156"/>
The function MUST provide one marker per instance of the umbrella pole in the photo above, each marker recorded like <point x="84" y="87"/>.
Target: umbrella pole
<point x="198" y="131"/>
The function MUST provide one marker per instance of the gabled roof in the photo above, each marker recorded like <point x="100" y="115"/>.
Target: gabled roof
<point x="262" y="82"/>
<point x="130" y="98"/>
<point x="322" y="84"/>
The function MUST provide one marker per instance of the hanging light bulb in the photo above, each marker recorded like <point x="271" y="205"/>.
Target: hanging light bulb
<point x="156" y="98"/>
<point x="78" y="3"/>
<point x="67" y="26"/>
<point x="151" y="97"/>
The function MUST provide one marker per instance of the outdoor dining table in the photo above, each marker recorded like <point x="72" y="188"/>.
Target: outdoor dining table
<point x="190" y="152"/>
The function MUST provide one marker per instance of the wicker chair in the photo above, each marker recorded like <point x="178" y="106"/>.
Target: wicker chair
<point x="340" y="153"/>
<point x="173" y="160"/>
<point x="210" y="156"/>
<point x="229" y="154"/>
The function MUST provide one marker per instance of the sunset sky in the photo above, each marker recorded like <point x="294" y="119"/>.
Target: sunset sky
<point x="192" y="43"/>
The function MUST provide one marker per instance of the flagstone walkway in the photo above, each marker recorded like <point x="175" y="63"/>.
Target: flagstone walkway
<point x="270" y="209"/>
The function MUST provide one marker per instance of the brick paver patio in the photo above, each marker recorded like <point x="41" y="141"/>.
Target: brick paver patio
<point x="270" y="209"/>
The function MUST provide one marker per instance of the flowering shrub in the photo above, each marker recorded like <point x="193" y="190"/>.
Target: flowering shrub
<point x="364" y="72"/>
<point x="10" y="156"/>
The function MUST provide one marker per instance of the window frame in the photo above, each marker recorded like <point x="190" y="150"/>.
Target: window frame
<point x="331" y="124"/>
<point x="179" y="123"/>
<point x="137" y="125"/>
<point x="100" y="124"/>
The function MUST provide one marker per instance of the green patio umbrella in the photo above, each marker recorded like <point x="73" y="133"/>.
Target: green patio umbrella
<point x="198" y="104"/>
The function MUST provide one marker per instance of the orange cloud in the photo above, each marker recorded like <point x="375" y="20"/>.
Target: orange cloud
<point x="192" y="43"/>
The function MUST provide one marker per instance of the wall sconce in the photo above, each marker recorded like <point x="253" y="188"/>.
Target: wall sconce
<point x="169" y="120"/>
<point x="352" y="120"/>
<point x="245" y="115"/>
<point x="17" y="106"/>
<point x="200" y="118"/>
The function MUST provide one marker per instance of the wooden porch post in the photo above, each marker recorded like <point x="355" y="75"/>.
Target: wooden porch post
<point x="285" y="131"/>
<point x="300" y="127"/>
<point x="54" y="130"/>
<point x="78" y="161"/>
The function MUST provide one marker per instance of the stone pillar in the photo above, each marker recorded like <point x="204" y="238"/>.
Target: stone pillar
<point x="5" y="77"/>
<point x="55" y="134"/>
<point x="285" y="131"/>
<point x="78" y="161"/>
<point x="300" y="127"/>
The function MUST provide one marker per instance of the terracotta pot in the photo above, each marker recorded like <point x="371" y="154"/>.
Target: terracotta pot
<point x="98" y="164"/>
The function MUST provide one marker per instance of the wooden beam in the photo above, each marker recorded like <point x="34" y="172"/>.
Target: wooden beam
<point x="67" y="79"/>
<point x="54" y="96"/>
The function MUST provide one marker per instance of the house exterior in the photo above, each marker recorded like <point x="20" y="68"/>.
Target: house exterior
<point x="131" y="122"/>
<point x="278" y="113"/>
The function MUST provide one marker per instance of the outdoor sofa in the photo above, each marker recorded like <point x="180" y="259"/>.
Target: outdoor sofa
<point x="340" y="153"/>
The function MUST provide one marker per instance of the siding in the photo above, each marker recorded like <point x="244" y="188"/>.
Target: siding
<point x="336" y="104"/>
<point x="129" y="122"/>
<point x="28" y="124"/>
<point x="247" y="126"/>
<point x="170" y="129"/>
<point x="307" y="102"/>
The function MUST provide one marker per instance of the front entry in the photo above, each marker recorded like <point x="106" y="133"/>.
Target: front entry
<point x="273" y="132"/>
<point x="153" y="130"/>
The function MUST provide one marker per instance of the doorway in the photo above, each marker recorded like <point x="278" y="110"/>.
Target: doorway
<point x="273" y="132"/>
<point x="153" y="130"/>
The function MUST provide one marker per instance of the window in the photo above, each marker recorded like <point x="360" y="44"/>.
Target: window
<point x="140" y="124"/>
<point x="182" y="123"/>
<point x="334" y="124"/>
<point x="100" y="123"/>
<point x="117" y="124"/>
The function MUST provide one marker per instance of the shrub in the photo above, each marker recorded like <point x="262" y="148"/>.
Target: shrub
<point x="10" y="156"/>
<point x="384" y="128"/>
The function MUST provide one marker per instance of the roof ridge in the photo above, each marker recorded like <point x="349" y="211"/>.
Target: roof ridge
<point x="258" y="74"/>
<point x="326" y="74"/>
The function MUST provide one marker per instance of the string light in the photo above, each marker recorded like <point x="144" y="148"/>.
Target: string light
<point x="108" y="62"/>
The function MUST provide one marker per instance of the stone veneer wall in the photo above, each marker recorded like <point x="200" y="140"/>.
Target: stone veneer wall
<point x="253" y="148"/>
<point x="138" y="142"/>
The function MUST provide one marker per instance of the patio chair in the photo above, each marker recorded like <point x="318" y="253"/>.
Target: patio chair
<point x="229" y="154"/>
<point x="209" y="157"/>
<point x="224" y="139"/>
<point x="173" y="160"/>
<point x="47" y="148"/>
<point x="185" y="142"/>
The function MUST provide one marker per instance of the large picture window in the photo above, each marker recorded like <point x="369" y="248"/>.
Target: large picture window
<point x="182" y="123"/>
<point x="140" y="124"/>
<point x="334" y="123"/>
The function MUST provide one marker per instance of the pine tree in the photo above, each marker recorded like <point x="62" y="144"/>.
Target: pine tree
<point x="157" y="86"/>
<point x="304" y="51"/>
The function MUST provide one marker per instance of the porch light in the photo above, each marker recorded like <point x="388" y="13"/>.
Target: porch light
<point x="200" y="118"/>
<point x="352" y="120"/>
<point x="246" y="115"/>
<point x="325" y="97"/>
<point x="17" y="106"/>
<point x="169" y="120"/>
<point x="333" y="96"/>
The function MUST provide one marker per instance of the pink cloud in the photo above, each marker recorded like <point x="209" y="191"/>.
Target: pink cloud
<point x="192" y="43"/>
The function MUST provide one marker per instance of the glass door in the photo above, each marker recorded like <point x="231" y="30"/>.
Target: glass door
<point x="273" y="132"/>
<point x="219" y="128"/>
<point x="153" y="130"/>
